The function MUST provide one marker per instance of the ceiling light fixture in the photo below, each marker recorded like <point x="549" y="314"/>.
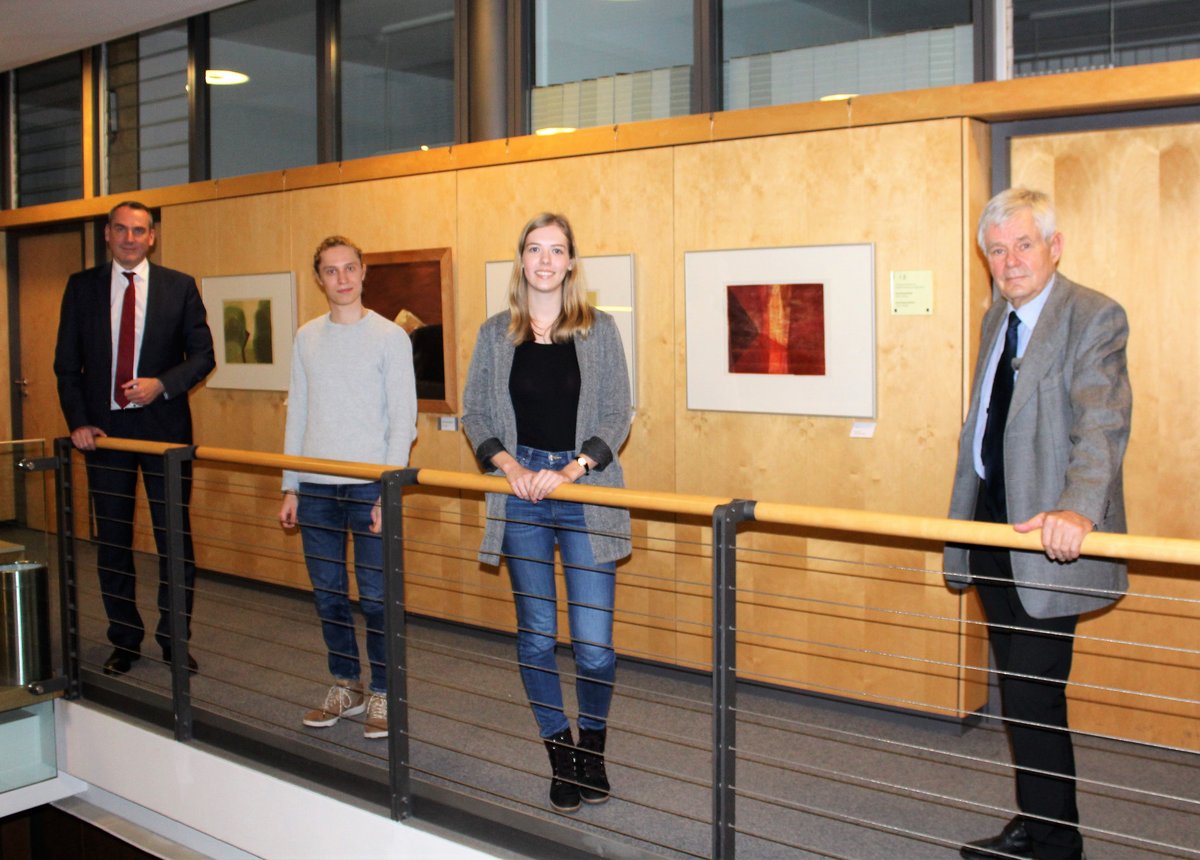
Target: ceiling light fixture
<point x="553" y="129"/>
<point x="838" y="97"/>
<point x="224" y="78"/>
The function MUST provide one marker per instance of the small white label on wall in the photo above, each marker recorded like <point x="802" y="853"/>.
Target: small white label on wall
<point x="912" y="293"/>
<point x="448" y="422"/>
<point x="862" y="430"/>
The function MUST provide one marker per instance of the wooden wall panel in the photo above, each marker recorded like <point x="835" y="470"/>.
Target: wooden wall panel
<point x="658" y="204"/>
<point x="234" y="512"/>
<point x="830" y="188"/>
<point x="45" y="262"/>
<point x="1128" y="203"/>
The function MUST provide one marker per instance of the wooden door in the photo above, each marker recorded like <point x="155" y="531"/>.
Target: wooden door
<point x="1128" y="202"/>
<point x="44" y="261"/>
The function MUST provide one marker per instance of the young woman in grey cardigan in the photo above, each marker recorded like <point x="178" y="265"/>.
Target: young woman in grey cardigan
<point x="547" y="403"/>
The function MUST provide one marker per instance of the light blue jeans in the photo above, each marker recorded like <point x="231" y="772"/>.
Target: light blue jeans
<point x="326" y="512"/>
<point x="530" y="534"/>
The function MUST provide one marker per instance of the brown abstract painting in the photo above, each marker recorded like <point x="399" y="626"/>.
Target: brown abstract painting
<point x="415" y="289"/>
<point x="777" y="328"/>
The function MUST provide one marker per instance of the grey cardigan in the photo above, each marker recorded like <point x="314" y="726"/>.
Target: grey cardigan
<point x="601" y="425"/>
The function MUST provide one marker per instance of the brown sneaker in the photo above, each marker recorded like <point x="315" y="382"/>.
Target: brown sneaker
<point x="344" y="699"/>
<point x="376" y="724"/>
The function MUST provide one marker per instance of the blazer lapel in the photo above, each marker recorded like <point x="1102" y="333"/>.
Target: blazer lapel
<point x="154" y="305"/>
<point x="1045" y="346"/>
<point x="987" y="339"/>
<point x="103" y="313"/>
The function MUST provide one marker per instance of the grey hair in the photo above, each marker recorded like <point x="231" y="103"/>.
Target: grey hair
<point x="1008" y="203"/>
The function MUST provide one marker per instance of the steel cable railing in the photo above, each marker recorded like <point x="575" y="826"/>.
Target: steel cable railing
<point x="859" y="784"/>
<point x="783" y="700"/>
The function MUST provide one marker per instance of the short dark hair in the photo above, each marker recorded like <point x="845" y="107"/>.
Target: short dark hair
<point x="131" y="204"/>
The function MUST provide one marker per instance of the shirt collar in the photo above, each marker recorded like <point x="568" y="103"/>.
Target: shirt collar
<point x="141" y="270"/>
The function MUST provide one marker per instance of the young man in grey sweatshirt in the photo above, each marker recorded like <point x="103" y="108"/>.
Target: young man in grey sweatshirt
<point x="352" y="397"/>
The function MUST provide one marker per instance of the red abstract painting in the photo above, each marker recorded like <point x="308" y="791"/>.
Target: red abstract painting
<point x="777" y="328"/>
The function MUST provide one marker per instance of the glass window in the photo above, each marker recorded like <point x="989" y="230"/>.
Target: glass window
<point x="787" y="51"/>
<point x="597" y="62"/>
<point x="397" y="75"/>
<point x="1057" y="36"/>
<point x="49" y="131"/>
<point x="269" y="120"/>
<point x="147" y="110"/>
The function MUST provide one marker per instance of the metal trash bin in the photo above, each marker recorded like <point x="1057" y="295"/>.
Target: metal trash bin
<point x="24" y="623"/>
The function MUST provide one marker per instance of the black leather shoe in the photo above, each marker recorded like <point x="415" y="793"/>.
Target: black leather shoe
<point x="120" y="661"/>
<point x="1012" y="841"/>
<point x="193" y="668"/>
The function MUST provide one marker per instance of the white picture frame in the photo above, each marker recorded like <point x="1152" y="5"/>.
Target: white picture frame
<point x="610" y="288"/>
<point x="846" y="385"/>
<point x="226" y="292"/>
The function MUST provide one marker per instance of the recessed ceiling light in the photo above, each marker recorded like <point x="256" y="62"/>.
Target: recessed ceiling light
<point x="838" y="97"/>
<point x="553" y="129"/>
<point x="224" y="78"/>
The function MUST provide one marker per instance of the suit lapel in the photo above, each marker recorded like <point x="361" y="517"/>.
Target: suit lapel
<point x="154" y="304"/>
<point x="991" y="330"/>
<point x="103" y="312"/>
<point x="1045" y="346"/>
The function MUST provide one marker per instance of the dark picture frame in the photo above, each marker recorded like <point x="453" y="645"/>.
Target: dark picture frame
<point x="416" y="290"/>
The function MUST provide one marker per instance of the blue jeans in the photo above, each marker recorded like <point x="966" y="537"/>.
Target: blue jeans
<point x="530" y="532"/>
<point x="325" y="513"/>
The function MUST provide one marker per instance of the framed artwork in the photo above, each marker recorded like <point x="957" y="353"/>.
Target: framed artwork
<point x="609" y="287"/>
<point x="415" y="289"/>
<point x="782" y="330"/>
<point x="253" y="320"/>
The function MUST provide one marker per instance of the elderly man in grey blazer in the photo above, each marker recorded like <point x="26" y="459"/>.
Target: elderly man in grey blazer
<point x="1042" y="449"/>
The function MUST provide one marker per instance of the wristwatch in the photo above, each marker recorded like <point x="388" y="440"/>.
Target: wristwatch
<point x="582" y="461"/>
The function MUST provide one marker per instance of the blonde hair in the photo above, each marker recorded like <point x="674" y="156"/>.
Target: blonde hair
<point x="576" y="314"/>
<point x="333" y="242"/>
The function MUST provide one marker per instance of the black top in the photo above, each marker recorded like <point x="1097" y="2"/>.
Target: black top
<point x="544" y="386"/>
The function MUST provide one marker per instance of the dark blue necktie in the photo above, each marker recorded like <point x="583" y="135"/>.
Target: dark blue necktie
<point x="992" y="449"/>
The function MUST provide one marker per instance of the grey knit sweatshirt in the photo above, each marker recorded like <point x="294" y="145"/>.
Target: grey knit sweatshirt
<point x="353" y="396"/>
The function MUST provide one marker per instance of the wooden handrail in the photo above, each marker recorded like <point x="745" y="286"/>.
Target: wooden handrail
<point x="936" y="530"/>
<point x="643" y="500"/>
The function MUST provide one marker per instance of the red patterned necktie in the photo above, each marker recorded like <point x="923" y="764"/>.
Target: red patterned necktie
<point x="125" y="342"/>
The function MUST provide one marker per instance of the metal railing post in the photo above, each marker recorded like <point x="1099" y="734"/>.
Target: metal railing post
<point x="724" y="679"/>
<point x="173" y="498"/>
<point x="68" y="603"/>
<point x="396" y="636"/>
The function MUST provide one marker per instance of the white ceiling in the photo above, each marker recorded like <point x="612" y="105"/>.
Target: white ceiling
<point x="36" y="30"/>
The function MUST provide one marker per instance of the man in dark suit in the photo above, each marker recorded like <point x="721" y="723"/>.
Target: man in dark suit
<point x="132" y="341"/>
<point x="1042" y="448"/>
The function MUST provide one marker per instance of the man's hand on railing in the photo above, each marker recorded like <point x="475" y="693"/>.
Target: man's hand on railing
<point x="84" y="438"/>
<point x="377" y="517"/>
<point x="1062" y="533"/>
